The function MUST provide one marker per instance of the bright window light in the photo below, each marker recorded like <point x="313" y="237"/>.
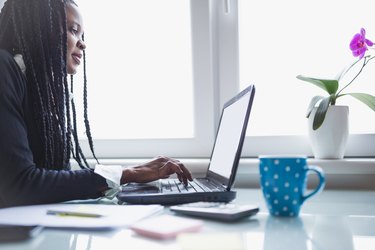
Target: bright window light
<point x="282" y="39"/>
<point x="139" y="69"/>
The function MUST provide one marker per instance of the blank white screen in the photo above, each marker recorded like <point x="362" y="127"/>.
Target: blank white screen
<point x="228" y="137"/>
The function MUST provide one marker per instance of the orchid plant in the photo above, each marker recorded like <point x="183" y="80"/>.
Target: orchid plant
<point x="359" y="46"/>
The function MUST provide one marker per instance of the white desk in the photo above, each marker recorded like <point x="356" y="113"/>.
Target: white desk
<point x="332" y="220"/>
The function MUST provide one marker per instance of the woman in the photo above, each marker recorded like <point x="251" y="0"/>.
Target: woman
<point x="41" y="42"/>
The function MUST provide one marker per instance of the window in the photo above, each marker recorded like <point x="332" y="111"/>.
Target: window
<point x="143" y="96"/>
<point x="139" y="55"/>
<point x="282" y="39"/>
<point x="200" y="53"/>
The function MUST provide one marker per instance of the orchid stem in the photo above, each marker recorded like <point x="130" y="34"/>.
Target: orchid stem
<point x="359" y="72"/>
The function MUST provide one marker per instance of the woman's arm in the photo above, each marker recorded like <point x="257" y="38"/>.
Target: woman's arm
<point x="21" y="181"/>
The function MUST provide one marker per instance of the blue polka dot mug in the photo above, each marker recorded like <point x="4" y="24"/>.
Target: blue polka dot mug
<point x="283" y="180"/>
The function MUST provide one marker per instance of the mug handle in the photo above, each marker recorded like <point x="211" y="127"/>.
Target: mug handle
<point x="321" y="184"/>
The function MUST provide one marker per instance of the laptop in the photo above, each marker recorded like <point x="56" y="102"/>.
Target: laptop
<point x="216" y="186"/>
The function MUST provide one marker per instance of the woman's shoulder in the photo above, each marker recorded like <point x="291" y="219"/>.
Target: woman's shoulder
<point x="11" y="75"/>
<point x="7" y="62"/>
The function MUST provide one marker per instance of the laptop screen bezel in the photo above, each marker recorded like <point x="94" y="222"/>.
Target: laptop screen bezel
<point x="228" y="182"/>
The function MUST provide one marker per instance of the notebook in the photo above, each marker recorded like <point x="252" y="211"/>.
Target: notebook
<point x="217" y="185"/>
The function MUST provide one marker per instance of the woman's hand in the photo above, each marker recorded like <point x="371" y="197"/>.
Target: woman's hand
<point x="158" y="168"/>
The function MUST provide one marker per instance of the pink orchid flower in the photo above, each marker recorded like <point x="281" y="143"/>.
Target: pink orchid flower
<point x="359" y="44"/>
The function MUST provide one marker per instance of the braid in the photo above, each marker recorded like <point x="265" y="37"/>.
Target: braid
<point x="78" y="154"/>
<point x="31" y="74"/>
<point x="4" y="20"/>
<point x="66" y="94"/>
<point x="37" y="29"/>
<point x="53" y="144"/>
<point x="87" y="124"/>
<point x="78" y="151"/>
<point x="61" y="83"/>
<point x="24" y="31"/>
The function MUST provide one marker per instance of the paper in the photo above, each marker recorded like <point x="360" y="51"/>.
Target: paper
<point x="172" y="226"/>
<point x="112" y="215"/>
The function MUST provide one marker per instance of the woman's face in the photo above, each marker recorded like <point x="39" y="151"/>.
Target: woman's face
<point x="75" y="45"/>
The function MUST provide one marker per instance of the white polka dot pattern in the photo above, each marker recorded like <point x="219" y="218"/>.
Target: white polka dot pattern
<point x="282" y="182"/>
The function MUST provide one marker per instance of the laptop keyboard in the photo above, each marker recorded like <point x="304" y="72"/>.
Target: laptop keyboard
<point x="201" y="185"/>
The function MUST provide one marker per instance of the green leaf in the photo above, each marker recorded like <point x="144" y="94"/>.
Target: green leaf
<point x="312" y="104"/>
<point x="321" y="112"/>
<point x="331" y="86"/>
<point x="367" y="99"/>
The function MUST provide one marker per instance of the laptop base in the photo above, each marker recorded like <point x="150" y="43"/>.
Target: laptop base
<point x="176" y="198"/>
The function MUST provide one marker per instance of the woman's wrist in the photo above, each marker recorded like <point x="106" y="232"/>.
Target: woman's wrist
<point x="126" y="175"/>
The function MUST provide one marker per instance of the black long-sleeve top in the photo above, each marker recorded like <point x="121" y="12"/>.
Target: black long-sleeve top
<point x="21" y="181"/>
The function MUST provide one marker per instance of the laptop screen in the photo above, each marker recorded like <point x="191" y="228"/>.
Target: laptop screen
<point x="230" y="135"/>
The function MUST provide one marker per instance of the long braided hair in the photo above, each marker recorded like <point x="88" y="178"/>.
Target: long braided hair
<point x="37" y="30"/>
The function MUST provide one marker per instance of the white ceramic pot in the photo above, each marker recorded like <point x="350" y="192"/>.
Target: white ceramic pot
<point x="330" y="139"/>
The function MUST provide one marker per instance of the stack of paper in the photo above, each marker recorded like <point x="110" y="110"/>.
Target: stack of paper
<point x="77" y="215"/>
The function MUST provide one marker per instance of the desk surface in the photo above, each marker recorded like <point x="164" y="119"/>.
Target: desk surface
<point x="330" y="220"/>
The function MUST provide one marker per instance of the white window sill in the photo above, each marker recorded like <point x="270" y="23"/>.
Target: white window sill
<point x="348" y="173"/>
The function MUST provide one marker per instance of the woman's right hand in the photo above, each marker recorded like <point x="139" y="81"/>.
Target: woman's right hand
<point x="158" y="168"/>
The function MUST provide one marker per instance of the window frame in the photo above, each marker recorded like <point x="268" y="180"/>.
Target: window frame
<point x="359" y="145"/>
<point x="203" y="84"/>
<point x="215" y="47"/>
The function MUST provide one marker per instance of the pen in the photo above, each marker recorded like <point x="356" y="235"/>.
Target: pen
<point x="71" y="213"/>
